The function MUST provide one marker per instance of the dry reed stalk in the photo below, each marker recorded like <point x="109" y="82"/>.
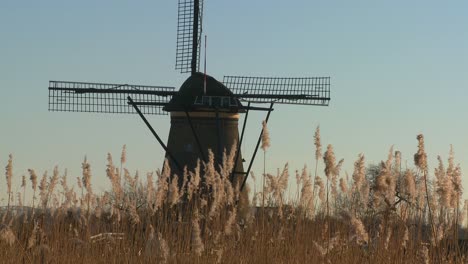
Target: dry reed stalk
<point x="7" y="235"/>
<point x="23" y="185"/>
<point x="156" y="247"/>
<point x="194" y="181"/>
<point x="43" y="190"/>
<point x="307" y="195"/>
<point x="358" y="186"/>
<point x="265" y="146"/>
<point x="123" y="159"/>
<point x="149" y="191"/>
<point x="231" y="221"/>
<point x="420" y="160"/>
<point x="9" y="176"/>
<point x="286" y="239"/>
<point x="173" y="196"/>
<point x="318" y="155"/>
<point x="196" y="242"/>
<point x="86" y="179"/>
<point x="114" y="177"/>
<point x="330" y="166"/>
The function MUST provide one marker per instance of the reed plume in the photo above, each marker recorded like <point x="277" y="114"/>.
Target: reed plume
<point x="307" y="196"/>
<point x="173" y="195"/>
<point x="113" y="177"/>
<point x="86" y="175"/>
<point x="194" y="182"/>
<point x="123" y="156"/>
<point x="343" y="186"/>
<point x="149" y="191"/>
<point x="410" y="185"/>
<point x="420" y="158"/>
<point x="163" y="185"/>
<point x="156" y="246"/>
<point x="9" y="176"/>
<point x="265" y="136"/>
<point x="360" y="235"/>
<point x="197" y="244"/>
<point x="231" y="221"/>
<point x="318" y="144"/>
<point x="43" y="188"/>
<point x="330" y="167"/>
<point x="319" y="183"/>
<point x="7" y="235"/>
<point x="265" y="146"/>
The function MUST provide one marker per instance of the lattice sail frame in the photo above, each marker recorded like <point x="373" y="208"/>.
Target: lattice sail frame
<point x="107" y="98"/>
<point x="184" y="47"/>
<point x="301" y="91"/>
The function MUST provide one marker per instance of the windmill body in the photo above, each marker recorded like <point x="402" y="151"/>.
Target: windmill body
<point x="203" y="121"/>
<point x="204" y="112"/>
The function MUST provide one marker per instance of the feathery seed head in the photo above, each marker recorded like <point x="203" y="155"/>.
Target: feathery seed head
<point x="318" y="144"/>
<point x="33" y="178"/>
<point x="86" y="175"/>
<point x="197" y="244"/>
<point x="9" y="172"/>
<point x="23" y="181"/>
<point x="420" y="158"/>
<point x="410" y="185"/>
<point x="343" y="186"/>
<point x="265" y="136"/>
<point x="123" y="156"/>
<point x="319" y="183"/>
<point x="359" y="173"/>
<point x="7" y="235"/>
<point x="329" y="158"/>
<point x="231" y="221"/>
<point x="398" y="159"/>
<point x="174" y="191"/>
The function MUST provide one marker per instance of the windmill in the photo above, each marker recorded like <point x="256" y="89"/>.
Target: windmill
<point x="204" y="112"/>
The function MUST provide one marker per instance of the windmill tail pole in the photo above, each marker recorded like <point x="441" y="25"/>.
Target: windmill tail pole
<point x="154" y="133"/>
<point x="256" y="149"/>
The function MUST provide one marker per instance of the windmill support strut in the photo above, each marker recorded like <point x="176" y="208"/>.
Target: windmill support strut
<point x="196" y="136"/>
<point x="154" y="133"/>
<point x="239" y="144"/>
<point x="256" y="149"/>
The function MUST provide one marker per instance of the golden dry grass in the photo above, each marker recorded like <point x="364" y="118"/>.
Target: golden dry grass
<point x="379" y="215"/>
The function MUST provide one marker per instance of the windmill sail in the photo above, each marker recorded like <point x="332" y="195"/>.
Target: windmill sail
<point x="107" y="98"/>
<point x="189" y="30"/>
<point x="302" y="91"/>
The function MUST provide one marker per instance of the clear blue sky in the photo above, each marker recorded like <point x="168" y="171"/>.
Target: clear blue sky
<point x="398" y="68"/>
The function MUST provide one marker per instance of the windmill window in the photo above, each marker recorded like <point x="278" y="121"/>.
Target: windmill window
<point x="206" y="100"/>
<point x="225" y="102"/>
<point x="198" y="100"/>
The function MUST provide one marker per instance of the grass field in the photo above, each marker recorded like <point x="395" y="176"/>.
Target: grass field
<point x="379" y="214"/>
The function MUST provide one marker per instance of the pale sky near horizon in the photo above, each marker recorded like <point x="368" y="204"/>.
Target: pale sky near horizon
<point x="398" y="68"/>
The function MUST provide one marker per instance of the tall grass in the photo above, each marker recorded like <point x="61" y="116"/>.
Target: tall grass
<point x="381" y="214"/>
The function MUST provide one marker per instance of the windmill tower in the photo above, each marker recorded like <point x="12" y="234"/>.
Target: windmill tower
<point x="204" y="112"/>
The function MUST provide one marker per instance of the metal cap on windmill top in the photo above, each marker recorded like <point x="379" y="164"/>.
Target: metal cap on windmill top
<point x="192" y="97"/>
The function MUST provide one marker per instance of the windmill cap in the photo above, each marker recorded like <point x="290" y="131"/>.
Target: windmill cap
<point x="193" y="87"/>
